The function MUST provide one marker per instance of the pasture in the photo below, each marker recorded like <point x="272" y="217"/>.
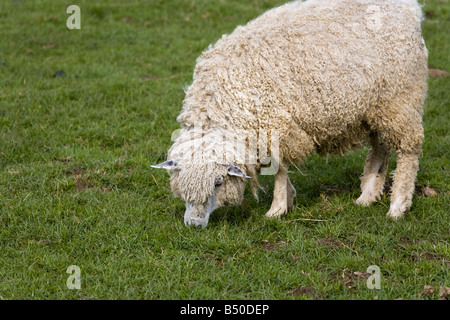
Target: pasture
<point x="83" y="115"/>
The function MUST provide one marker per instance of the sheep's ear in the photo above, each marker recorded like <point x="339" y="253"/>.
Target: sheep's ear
<point x="232" y="170"/>
<point x="169" y="165"/>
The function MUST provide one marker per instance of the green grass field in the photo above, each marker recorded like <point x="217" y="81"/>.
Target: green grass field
<point x="76" y="187"/>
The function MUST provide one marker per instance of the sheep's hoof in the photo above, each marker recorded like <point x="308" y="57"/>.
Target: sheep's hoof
<point x="276" y="212"/>
<point x="395" y="214"/>
<point x="364" y="201"/>
<point x="397" y="209"/>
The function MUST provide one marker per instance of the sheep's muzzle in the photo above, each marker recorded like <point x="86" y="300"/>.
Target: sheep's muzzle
<point x="197" y="215"/>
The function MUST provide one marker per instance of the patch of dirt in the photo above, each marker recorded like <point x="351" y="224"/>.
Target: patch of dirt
<point x="219" y="262"/>
<point x="82" y="183"/>
<point x="49" y="45"/>
<point x="330" y="242"/>
<point x="406" y="241"/>
<point x="150" y="77"/>
<point x="444" y="293"/>
<point x="351" y="279"/>
<point x="304" y="290"/>
<point x="270" y="246"/>
<point x="429" y="192"/>
<point x="427" y="290"/>
<point x="75" y="171"/>
<point x="64" y="160"/>
<point x="428" y="256"/>
<point x="294" y="257"/>
<point x="436" y="73"/>
<point x="37" y="242"/>
<point x="429" y="14"/>
<point x="425" y="191"/>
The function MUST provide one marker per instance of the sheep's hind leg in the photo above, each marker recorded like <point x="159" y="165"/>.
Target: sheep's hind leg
<point x="372" y="180"/>
<point x="403" y="186"/>
<point x="401" y="127"/>
<point x="283" y="194"/>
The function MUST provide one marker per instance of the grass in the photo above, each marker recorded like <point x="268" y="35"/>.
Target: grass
<point x="76" y="187"/>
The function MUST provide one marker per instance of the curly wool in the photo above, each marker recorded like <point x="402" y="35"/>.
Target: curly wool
<point x="188" y="180"/>
<point x="324" y="74"/>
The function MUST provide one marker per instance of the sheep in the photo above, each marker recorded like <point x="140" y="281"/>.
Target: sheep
<point x="321" y="76"/>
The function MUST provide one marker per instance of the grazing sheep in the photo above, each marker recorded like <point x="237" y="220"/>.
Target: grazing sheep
<point x="319" y="75"/>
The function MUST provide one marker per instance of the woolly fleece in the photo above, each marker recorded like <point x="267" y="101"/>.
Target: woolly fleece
<point x="325" y="74"/>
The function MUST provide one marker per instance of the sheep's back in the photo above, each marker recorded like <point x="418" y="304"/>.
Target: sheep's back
<point x="319" y="65"/>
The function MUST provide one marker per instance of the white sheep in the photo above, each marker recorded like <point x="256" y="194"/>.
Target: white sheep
<point x="318" y="75"/>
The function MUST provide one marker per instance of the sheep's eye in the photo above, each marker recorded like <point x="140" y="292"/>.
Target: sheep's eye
<point x="218" y="182"/>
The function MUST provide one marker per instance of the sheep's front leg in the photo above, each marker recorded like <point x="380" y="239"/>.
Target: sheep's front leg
<point x="283" y="194"/>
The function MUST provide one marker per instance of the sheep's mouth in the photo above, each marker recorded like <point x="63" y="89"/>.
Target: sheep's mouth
<point x="198" y="215"/>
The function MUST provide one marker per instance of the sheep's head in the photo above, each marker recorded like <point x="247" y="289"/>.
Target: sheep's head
<point x="205" y="187"/>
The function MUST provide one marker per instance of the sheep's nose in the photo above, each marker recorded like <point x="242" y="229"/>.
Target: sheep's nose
<point x="197" y="215"/>
<point x="193" y="218"/>
<point x="195" y="222"/>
